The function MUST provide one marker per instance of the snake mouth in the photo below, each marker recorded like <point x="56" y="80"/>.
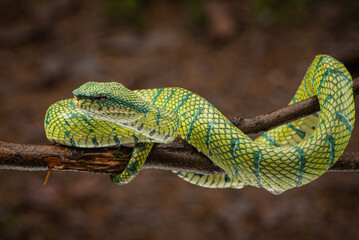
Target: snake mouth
<point x="91" y="98"/>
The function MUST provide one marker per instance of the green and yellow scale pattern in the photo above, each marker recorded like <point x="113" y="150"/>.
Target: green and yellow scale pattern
<point x="289" y="156"/>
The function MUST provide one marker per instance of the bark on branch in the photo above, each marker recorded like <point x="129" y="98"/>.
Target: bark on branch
<point x="177" y="156"/>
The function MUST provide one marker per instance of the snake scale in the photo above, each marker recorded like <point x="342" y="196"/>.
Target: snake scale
<point x="108" y="114"/>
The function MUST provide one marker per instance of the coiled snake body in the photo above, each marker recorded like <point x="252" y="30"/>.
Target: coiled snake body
<point x="108" y="114"/>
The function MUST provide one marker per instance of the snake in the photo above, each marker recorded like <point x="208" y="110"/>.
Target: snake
<point x="107" y="114"/>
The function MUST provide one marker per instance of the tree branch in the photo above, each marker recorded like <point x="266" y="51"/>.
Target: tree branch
<point x="176" y="156"/>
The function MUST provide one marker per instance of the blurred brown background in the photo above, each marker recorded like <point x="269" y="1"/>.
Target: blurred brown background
<point x="245" y="57"/>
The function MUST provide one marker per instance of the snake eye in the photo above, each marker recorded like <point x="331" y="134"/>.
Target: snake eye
<point x="79" y="97"/>
<point x="101" y="97"/>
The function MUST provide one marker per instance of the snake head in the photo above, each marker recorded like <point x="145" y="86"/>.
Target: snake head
<point x="113" y="102"/>
<point x="110" y="101"/>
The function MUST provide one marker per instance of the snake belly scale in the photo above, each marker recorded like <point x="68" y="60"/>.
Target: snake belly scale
<point x="292" y="155"/>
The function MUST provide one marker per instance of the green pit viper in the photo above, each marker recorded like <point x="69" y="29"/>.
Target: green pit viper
<point x="108" y="114"/>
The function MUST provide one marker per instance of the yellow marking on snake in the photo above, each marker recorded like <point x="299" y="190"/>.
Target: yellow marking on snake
<point x="292" y="155"/>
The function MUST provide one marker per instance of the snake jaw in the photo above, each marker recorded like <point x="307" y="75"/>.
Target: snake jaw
<point x="100" y="97"/>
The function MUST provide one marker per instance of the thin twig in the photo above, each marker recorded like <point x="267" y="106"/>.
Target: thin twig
<point x="176" y="156"/>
